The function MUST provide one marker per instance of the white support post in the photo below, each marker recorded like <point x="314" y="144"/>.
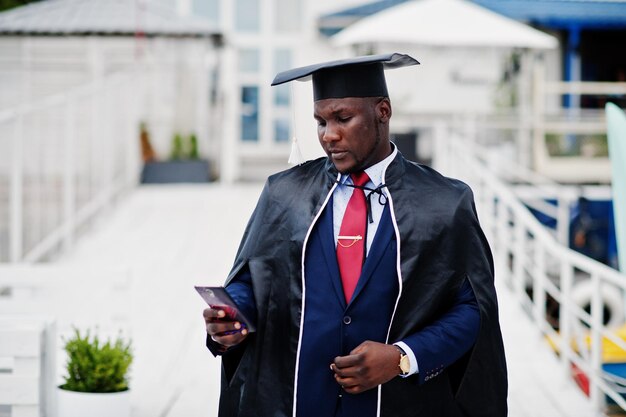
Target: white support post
<point x="17" y="191"/>
<point x="595" y="371"/>
<point x="520" y="260"/>
<point x="566" y="316"/>
<point x="503" y="238"/>
<point x="540" y="277"/>
<point x="69" y="186"/>
<point x="538" y="114"/>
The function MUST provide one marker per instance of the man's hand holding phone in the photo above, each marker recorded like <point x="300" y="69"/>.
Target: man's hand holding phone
<point x="222" y="327"/>
<point x="225" y="323"/>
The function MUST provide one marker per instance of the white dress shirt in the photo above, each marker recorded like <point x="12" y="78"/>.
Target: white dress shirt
<point x="343" y="192"/>
<point x="342" y="195"/>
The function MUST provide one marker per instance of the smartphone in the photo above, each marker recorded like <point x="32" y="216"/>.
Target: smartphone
<point x="217" y="297"/>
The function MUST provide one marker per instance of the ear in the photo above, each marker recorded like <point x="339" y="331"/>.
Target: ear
<point x="383" y="110"/>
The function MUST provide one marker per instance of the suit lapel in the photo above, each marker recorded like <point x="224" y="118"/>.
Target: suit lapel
<point x="384" y="234"/>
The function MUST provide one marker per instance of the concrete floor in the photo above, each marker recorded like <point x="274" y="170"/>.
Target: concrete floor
<point x="172" y="237"/>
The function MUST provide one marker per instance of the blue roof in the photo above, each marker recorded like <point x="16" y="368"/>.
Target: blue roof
<point x="552" y="14"/>
<point x="331" y="23"/>
<point x="559" y="14"/>
<point x="366" y="9"/>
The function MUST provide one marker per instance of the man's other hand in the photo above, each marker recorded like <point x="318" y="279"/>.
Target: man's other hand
<point x="222" y="330"/>
<point x="367" y="366"/>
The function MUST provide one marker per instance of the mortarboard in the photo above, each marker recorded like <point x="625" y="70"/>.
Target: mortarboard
<point x="362" y="76"/>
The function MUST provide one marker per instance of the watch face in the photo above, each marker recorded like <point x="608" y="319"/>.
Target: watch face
<point x="405" y="366"/>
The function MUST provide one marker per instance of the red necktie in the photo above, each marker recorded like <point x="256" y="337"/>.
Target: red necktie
<point x="351" y="240"/>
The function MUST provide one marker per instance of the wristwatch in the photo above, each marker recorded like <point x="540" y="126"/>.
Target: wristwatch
<point x="404" y="365"/>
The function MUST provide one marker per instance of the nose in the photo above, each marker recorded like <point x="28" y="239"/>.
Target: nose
<point x="330" y="133"/>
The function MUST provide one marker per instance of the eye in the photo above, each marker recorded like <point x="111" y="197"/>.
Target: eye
<point x="321" y="123"/>
<point x="344" y="119"/>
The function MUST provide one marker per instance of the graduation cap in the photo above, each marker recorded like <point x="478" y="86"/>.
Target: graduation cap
<point x="362" y="76"/>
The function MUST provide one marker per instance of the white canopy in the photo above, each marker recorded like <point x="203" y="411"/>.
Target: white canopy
<point x="443" y="23"/>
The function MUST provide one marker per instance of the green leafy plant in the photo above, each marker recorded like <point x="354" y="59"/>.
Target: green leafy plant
<point x="193" y="147"/>
<point x="177" y="147"/>
<point x="96" y="366"/>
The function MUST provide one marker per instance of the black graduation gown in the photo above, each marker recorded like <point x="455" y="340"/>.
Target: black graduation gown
<point x="441" y="244"/>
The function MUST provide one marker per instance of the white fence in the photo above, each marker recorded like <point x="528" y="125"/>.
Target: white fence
<point x="40" y="305"/>
<point x="27" y="369"/>
<point x="543" y="273"/>
<point x="62" y="159"/>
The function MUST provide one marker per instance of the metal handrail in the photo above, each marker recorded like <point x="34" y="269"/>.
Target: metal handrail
<point x="527" y="256"/>
<point x="110" y="102"/>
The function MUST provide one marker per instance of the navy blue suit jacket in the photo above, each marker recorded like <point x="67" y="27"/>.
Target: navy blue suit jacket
<point x="333" y="328"/>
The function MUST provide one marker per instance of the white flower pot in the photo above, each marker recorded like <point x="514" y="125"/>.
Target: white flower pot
<point x="93" y="404"/>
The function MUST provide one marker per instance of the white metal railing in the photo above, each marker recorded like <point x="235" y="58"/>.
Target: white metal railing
<point x="530" y="186"/>
<point x="62" y="159"/>
<point x="541" y="271"/>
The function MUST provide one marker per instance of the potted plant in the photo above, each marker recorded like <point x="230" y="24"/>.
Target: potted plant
<point x="184" y="164"/>
<point x="96" y="384"/>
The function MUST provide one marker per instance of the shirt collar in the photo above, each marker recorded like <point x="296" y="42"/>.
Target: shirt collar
<point x="375" y="172"/>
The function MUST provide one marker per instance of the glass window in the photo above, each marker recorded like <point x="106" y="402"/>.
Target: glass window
<point x="282" y="62"/>
<point x="249" y="60"/>
<point x="282" y="95"/>
<point x="282" y="59"/>
<point x="247" y="15"/>
<point x="209" y="9"/>
<point x="281" y="130"/>
<point x="250" y="113"/>
<point x="288" y="15"/>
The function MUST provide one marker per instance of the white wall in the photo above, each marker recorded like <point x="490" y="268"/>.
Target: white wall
<point x="447" y="81"/>
<point x="172" y="72"/>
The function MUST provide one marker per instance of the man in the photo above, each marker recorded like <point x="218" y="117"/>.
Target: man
<point x="368" y="277"/>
